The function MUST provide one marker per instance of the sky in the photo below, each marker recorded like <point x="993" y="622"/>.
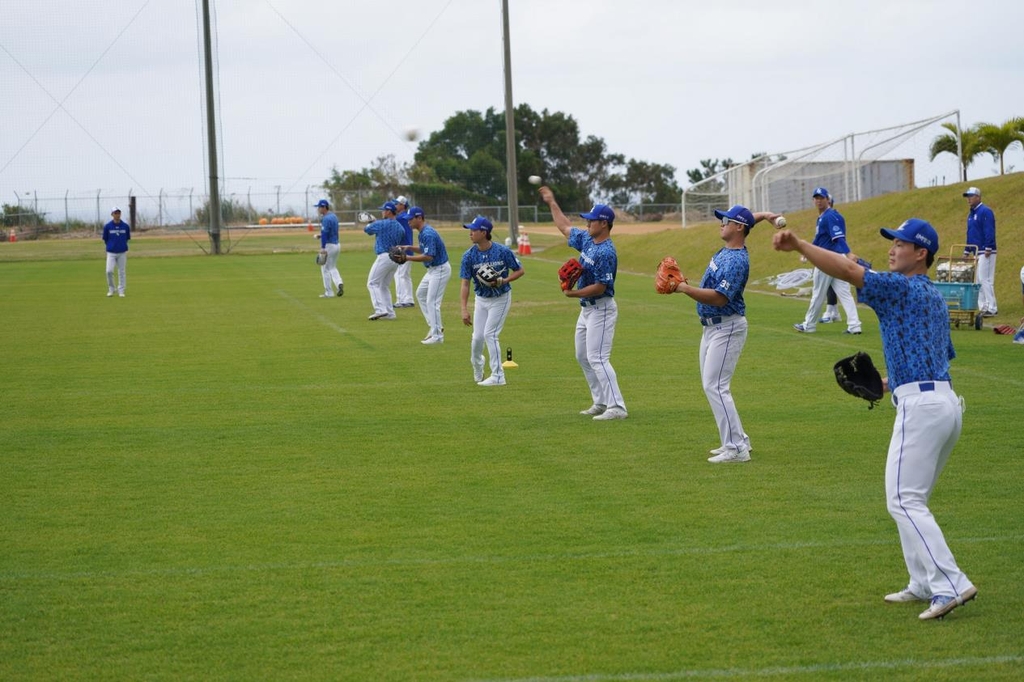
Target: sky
<point x="104" y="97"/>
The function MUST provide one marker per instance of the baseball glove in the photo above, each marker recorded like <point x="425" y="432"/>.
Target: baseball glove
<point x="321" y="257"/>
<point x="857" y="376"/>
<point x="569" y="274"/>
<point x="365" y="217"/>
<point x="668" y="276"/>
<point x="487" y="275"/>
<point x="397" y="254"/>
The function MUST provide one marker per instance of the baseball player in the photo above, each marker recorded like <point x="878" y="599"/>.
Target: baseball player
<point x="388" y="232"/>
<point x="981" y="232"/>
<point x="493" y="298"/>
<point x="116" y="234"/>
<point x="434" y="256"/>
<point x="830" y="235"/>
<point x="914" y="321"/>
<point x="333" y="285"/>
<point x="595" y="326"/>
<point x="722" y="313"/>
<point x="403" y="275"/>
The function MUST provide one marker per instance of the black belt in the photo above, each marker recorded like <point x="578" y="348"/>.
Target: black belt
<point x="708" y="321"/>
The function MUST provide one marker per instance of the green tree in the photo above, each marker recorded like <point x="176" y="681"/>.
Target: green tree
<point x="972" y="145"/>
<point x="997" y="139"/>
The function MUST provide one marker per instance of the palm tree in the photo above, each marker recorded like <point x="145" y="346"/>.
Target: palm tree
<point x="997" y="139"/>
<point x="971" y="145"/>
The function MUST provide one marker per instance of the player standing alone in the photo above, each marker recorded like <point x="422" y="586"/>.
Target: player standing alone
<point x="116" y="234"/>
<point x="595" y="326"/>
<point x="333" y="286"/>
<point x="914" y="321"/>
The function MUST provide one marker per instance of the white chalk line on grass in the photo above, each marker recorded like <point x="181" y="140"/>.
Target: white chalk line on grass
<point x="323" y="319"/>
<point x="818" y="669"/>
<point x="467" y="560"/>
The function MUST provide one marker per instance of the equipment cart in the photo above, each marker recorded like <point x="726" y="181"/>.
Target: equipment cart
<point x="956" y="277"/>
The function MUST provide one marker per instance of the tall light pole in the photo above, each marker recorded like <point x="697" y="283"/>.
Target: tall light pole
<point x="211" y="135"/>
<point x="510" y="134"/>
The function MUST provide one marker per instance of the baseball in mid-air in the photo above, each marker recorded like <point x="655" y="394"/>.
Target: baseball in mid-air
<point x="412" y="133"/>
<point x="780" y="222"/>
<point x="534" y="179"/>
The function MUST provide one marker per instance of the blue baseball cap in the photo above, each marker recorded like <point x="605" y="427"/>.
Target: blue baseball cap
<point x="600" y="212"/>
<point x="389" y="206"/>
<point x="737" y="214"/>
<point x="821" y="192"/>
<point x="915" y="231"/>
<point x="414" y="212"/>
<point x="324" y="203"/>
<point x="479" y="223"/>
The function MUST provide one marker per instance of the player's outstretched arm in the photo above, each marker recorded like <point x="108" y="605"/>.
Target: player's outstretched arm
<point x="562" y="221"/>
<point x="831" y="263"/>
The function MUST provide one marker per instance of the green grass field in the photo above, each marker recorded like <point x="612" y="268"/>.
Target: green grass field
<point x="222" y="476"/>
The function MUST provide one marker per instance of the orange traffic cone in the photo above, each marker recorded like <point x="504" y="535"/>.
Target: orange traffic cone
<point x="310" y="227"/>
<point x="11" y="236"/>
<point x="524" y="245"/>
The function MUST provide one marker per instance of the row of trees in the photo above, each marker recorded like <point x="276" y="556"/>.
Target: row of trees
<point x="981" y="138"/>
<point x="464" y="163"/>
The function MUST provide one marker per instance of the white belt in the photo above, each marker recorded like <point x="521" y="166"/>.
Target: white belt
<point x="919" y="387"/>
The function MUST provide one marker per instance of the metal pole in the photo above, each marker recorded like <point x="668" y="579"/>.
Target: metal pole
<point x="211" y="135"/>
<point x="510" y="134"/>
<point x="67" y="226"/>
<point x="190" y="213"/>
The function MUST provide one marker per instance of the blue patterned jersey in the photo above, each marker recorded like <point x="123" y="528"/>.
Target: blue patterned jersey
<point x="727" y="274"/>
<point x="389" y="233"/>
<point x="328" y="229"/>
<point x="831" y="232"/>
<point x="432" y="245"/>
<point x="914" y="320"/>
<point x="600" y="263"/>
<point x="499" y="257"/>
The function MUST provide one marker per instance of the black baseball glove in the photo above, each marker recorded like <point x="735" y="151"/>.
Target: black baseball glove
<point x="857" y="376"/>
<point x="397" y="254"/>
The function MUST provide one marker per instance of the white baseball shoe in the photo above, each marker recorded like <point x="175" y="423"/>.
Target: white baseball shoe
<point x="432" y="340"/>
<point x="611" y="413"/>
<point x="942" y="604"/>
<point x="594" y="410"/>
<point x="731" y="456"/>
<point x="376" y="316"/>
<point x="903" y="596"/>
<point x="109" y="294"/>
<point x="802" y="329"/>
<point x="492" y="381"/>
<point x="121" y="294"/>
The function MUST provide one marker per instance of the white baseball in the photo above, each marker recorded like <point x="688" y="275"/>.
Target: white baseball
<point x="780" y="221"/>
<point x="534" y="179"/>
<point x="412" y="134"/>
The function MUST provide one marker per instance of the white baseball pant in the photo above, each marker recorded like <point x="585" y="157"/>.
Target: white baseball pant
<point x="329" y="270"/>
<point x="819" y="293"/>
<point x="928" y="424"/>
<point x="595" y="331"/>
<point x="488" y="320"/>
<point x="403" y="284"/>
<point x="378" y="283"/>
<point x="430" y="294"/>
<point x="720" y="348"/>
<point x="119" y="261"/>
<point x="986" y="277"/>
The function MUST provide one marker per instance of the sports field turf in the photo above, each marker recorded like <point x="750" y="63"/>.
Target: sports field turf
<point x="222" y="476"/>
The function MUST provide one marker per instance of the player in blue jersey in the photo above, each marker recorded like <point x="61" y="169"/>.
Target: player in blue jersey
<point x="433" y="254"/>
<point x="116" y="234"/>
<point x="914" y="322"/>
<point x="493" y="300"/>
<point x="388" y="232"/>
<point x="329" y="244"/>
<point x="599" y="312"/>
<point x="981" y="232"/>
<point x="722" y="313"/>
<point x="830" y="235"/>
<point x="403" y="275"/>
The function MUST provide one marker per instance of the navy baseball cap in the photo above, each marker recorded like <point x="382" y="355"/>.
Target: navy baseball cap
<point x="414" y="212"/>
<point x="737" y="214"/>
<point x="600" y="212"/>
<point x="479" y="223"/>
<point x="324" y="203"/>
<point x="389" y="206"/>
<point x="915" y="231"/>
<point x="821" y="192"/>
